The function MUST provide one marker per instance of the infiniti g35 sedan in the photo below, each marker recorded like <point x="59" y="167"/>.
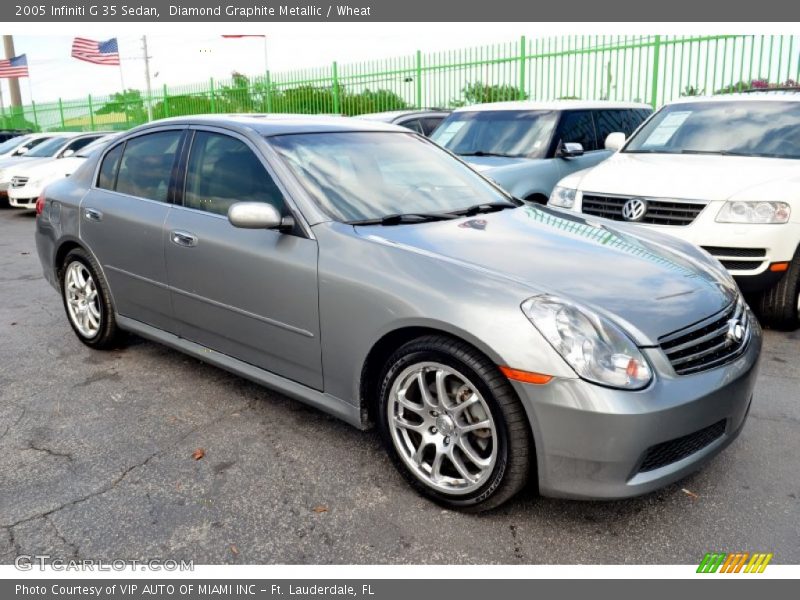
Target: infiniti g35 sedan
<point x="364" y="270"/>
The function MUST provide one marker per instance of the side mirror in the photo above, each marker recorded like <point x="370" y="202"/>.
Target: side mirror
<point x="67" y="153"/>
<point x="570" y="149"/>
<point x="615" y="141"/>
<point x="21" y="151"/>
<point x="258" y="215"/>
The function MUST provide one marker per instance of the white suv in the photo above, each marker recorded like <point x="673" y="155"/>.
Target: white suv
<point x="722" y="172"/>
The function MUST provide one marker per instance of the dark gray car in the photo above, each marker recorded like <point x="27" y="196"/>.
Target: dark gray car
<point x="362" y="269"/>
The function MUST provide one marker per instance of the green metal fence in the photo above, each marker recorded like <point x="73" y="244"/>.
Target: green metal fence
<point x="651" y="69"/>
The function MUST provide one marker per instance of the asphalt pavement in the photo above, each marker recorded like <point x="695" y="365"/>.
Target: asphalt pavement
<point x="96" y="461"/>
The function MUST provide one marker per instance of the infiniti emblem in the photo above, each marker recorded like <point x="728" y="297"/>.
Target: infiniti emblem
<point x="634" y="209"/>
<point x="735" y="333"/>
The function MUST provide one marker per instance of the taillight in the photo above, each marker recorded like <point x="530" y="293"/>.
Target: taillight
<point x="40" y="203"/>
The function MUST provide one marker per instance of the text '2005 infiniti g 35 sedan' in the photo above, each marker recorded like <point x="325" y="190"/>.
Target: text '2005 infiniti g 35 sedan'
<point x="362" y="269"/>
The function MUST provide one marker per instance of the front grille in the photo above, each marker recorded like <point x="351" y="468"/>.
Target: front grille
<point x="18" y="182"/>
<point x="736" y="252"/>
<point x="666" y="453"/>
<point x="659" y="212"/>
<point x="709" y="343"/>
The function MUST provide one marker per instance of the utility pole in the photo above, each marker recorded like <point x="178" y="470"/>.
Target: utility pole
<point x="13" y="82"/>
<point x="147" y="78"/>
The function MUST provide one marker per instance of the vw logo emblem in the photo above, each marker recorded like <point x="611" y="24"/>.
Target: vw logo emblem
<point x="634" y="209"/>
<point x="735" y="333"/>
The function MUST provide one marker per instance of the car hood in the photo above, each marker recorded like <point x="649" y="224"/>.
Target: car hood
<point x="649" y="285"/>
<point x="48" y="167"/>
<point x="685" y="176"/>
<point x="16" y="161"/>
<point x="488" y="163"/>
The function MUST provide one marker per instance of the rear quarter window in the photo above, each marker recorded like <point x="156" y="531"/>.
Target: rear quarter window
<point x="108" y="170"/>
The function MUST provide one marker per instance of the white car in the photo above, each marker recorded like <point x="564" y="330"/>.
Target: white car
<point x="30" y="179"/>
<point x="722" y="172"/>
<point x="59" y="145"/>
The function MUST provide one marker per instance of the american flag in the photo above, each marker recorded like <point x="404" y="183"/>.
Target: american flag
<point x="99" y="53"/>
<point x="16" y="66"/>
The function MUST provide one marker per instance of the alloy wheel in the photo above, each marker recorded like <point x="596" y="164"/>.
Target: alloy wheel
<point x="82" y="299"/>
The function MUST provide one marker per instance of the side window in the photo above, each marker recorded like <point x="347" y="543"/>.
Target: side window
<point x="609" y="121"/>
<point x="577" y="126"/>
<point x="146" y="165"/>
<point x="76" y="145"/>
<point x="413" y="125"/>
<point x="223" y="170"/>
<point x="430" y="123"/>
<point x="108" y="170"/>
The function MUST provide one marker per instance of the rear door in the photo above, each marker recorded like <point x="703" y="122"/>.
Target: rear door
<point x="247" y="293"/>
<point x="122" y="222"/>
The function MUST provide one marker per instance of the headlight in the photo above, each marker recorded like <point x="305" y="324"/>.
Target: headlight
<point x="562" y="197"/>
<point x="738" y="211"/>
<point x="598" y="350"/>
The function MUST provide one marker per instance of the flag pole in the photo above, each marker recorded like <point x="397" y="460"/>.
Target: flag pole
<point x="266" y="62"/>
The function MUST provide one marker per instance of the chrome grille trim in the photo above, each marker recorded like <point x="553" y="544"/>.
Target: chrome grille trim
<point x="659" y="211"/>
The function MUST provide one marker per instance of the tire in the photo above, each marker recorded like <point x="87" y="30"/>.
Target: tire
<point x="779" y="306"/>
<point x="104" y="334"/>
<point x="504" y="448"/>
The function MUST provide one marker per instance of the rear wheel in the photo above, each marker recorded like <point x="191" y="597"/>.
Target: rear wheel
<point x="453" y="425"/>
<point x="779" y="306"/>
<point x="87" y="301"/>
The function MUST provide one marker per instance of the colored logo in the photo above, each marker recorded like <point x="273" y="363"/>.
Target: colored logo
<point x="634" y="209"/>
<point x="738" y="562"/>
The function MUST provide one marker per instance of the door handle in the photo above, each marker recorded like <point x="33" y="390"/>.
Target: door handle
<point x="183" y="238"/>
<point x="92" y="214"/>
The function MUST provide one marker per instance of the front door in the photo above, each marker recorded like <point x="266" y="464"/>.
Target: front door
<point x="247" y="293"/>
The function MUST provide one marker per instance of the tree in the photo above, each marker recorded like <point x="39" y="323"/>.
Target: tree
<point x="129" y="102"/>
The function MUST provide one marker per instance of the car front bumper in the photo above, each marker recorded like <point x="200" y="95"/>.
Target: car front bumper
<point x="591" y="441"/>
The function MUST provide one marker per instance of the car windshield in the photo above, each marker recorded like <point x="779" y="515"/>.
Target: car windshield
<point x="497" y="132"/>
<point x="358" y="176"/>
<point x="48" y="148"/>
<point x="13" y="143"/>
<point x="735" y="127"/>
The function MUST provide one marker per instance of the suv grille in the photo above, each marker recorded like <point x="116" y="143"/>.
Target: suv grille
<point x="710" y="343"/>
<point x="666" y="453"/>
<point x="18" y="182"/>
<point x="659" y="212"/>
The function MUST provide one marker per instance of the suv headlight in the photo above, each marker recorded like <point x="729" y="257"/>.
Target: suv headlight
<point x="738" y="211"/>
<point x="596" y="348"/>
<point x="562" y="197"/>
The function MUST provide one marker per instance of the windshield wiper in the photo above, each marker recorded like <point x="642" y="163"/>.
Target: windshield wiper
<point x="482" y="153"/>
<point x="405" y="218"/>
<point x="485" y="207"/>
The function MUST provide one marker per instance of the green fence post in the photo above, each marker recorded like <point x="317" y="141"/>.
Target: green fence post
<point x="419" y="79"/>
<point x="166" y="102"/>
<point x="91" y="114"/>
<point x="35" y="118"/>
<point x="211" y="95"/>
<point x="656" y="66"/>
<point x="522" y="60"/>
<point x="335" y="74"/>
<point x="61" y="113"/>
<point x="269" y="92"/>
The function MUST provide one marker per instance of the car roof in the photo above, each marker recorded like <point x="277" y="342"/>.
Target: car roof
<point x="760" y="96"/>
<point x="552" y="105"/>
<point x="390" y="115"/>
<point x="280" y="124"/>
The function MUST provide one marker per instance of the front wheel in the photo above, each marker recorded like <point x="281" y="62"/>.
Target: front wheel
<point x="779" y="306"/>
<point x="453" y="425"/>
<point x="87" y="301"/>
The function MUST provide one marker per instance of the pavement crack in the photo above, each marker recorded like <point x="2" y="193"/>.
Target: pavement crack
<point x="10" y="426"/>
<point x="61" y="537"/>
<point x="50" y="452"/>
<point x="518" y="554"/>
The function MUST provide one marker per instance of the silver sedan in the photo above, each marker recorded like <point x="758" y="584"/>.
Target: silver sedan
<point x="359" y="268"/>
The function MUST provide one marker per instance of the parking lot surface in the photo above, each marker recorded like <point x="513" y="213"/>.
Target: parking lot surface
<point x="96" y="461"/>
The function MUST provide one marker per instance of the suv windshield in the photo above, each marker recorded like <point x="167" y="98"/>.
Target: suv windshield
<point x="359" y="176"/>
<point x="98" y="144"/>
<point x="497" y="132"/>
<point x="735" y="127"/>
<point x="48" y="148"/>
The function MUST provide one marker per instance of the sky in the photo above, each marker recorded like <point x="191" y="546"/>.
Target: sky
<point x="186" y="58"/>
